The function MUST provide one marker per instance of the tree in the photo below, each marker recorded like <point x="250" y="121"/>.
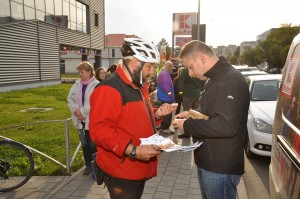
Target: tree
<point x="275" y="48"/>
<point x="233" y="60"/>
<point x="163" y="42"/>
<point x="164" y="49"/>
<point x="249" y="57"/>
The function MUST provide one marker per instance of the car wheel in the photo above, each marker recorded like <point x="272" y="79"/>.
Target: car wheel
<point x="248" y="152"/>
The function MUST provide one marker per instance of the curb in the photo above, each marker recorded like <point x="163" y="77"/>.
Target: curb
<point x="63" y="183"/>
<point x="241" y="190"/>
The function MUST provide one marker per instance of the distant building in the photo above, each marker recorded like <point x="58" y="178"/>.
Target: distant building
<point x="231" y="49"/>
<point x="264" y="35"/>
<point x="225" y="50"/>
<point x="37" y="34"/>
<point x="247" y="45"/>
<point x="112" y="52"/>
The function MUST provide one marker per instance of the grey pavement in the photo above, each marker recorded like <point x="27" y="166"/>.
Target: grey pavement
<point x="177" y="179"/>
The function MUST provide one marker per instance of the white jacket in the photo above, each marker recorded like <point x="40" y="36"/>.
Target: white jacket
<point x="73" y="103"/>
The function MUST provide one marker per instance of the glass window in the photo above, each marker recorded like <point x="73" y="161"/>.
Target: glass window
<point x="96" y="19"/>
<point x="40" y="5"/>
<point x="264" y="90"/>
<point x="73" y="26"/>
<point x="84" y="29"/>
<point x="58" y="7"/>
<point x="72" y="13"/>
<point x="29" y="13"/>
<point x="79" y="27"/>
<point x="66" y="10"/>
<point x="49" y="7"/>
<point x="4" y="8"/>
<point x="58" y="20"/>
<point x="29" y="3"/>
<point x="84" y="17"/>
<point x="19" y="1"/>
<point x="49" y="19"/>
<point x="16" y="11"/>
<point x="40" y="15"/>
<point x="79" y="16"/>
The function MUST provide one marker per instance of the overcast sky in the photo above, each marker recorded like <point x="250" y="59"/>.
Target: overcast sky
<point x="227" y="22"/>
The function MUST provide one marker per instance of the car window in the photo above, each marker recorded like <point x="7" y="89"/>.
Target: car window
<point x="290" y="102"/>
<point x="264" y="90"/>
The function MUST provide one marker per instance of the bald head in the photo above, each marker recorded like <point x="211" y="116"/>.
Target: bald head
<point x="168" y="66"/>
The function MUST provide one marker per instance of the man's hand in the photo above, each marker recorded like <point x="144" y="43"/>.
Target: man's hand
<point x="178" y="123"/>
<point x="146" y="152"/>
<point x="165" y="109"/>
<point x="183" y="115"/>
<point x="79" y="115"/>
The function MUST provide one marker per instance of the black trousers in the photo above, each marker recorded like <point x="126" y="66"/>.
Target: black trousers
<point x="166" y="123"/>
<point x="124" y="189"/>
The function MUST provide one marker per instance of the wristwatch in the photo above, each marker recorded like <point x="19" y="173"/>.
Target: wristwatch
<point x="132" y="154"/>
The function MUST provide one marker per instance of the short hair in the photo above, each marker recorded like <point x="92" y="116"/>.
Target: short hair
<point x="87" y="66"/>
<point x="196" y="46"/>
<point x="168" y="64"/>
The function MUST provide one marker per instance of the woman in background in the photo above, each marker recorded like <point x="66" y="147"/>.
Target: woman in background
<point x="79" y="105"/>
<point x="101" y="74"/>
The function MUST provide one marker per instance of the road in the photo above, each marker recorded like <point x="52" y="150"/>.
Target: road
<point x="256" y="177"/>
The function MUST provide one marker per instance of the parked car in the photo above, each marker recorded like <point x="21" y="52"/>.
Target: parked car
<point x="263" y="95"/>
<point x="284" y="174"/>
<point x="253" y="68"/>
<point x="251" y="73"/>
<point x="242" y="68"/>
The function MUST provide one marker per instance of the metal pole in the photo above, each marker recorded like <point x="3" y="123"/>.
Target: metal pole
<point x="67" y="147"/>
<point x="173" y="35"/>
<point x="198" y="21"/>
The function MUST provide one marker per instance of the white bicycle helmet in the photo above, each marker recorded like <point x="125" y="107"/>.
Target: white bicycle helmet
<point x="143" y="50"/>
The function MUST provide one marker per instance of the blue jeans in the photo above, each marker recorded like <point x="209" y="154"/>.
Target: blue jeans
<point x="216" y="185"/>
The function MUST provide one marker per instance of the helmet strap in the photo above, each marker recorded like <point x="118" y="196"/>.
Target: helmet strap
<point x="139" y="82"/>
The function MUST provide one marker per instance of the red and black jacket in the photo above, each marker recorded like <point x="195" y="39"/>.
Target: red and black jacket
<point x="119" y="115"/>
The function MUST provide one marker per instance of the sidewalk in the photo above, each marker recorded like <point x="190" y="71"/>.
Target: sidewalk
<point x="177" y="179"/>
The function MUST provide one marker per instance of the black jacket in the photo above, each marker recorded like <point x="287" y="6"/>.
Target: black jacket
<point x="226" y="101"/>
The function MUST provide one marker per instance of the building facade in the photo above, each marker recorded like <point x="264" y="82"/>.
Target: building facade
<point x="35" y="34"/>
<point x="112" y="52"/>
<point x="225" y="50"/>
<point x="247" y="45"/>
<point x="263" y="36"/>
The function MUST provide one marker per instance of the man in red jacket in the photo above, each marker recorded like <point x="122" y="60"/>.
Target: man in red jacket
<point x="120" y="115"/>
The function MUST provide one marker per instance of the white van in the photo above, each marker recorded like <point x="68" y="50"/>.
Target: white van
<point x="284" y="173"/>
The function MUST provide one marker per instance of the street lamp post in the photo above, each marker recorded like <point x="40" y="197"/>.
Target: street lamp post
<point x="198" y="21"/>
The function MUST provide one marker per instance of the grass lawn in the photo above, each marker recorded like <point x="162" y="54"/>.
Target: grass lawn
<point x="73" y="75"/>
<point x="48" y="138"/>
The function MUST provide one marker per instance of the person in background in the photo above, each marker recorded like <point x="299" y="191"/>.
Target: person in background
<point x="165" y="93"/>
<point x="178" y="97"/>
<point x="225" y="100"/>
<point x="112" y="69"/>
<point x="126" y="116"/>
<point x="79" y="105"/>
<point x="190" y="89"/>
<point x="100" y="74"/>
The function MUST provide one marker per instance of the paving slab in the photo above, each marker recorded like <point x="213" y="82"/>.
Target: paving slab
<point x="177" y="179"/>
